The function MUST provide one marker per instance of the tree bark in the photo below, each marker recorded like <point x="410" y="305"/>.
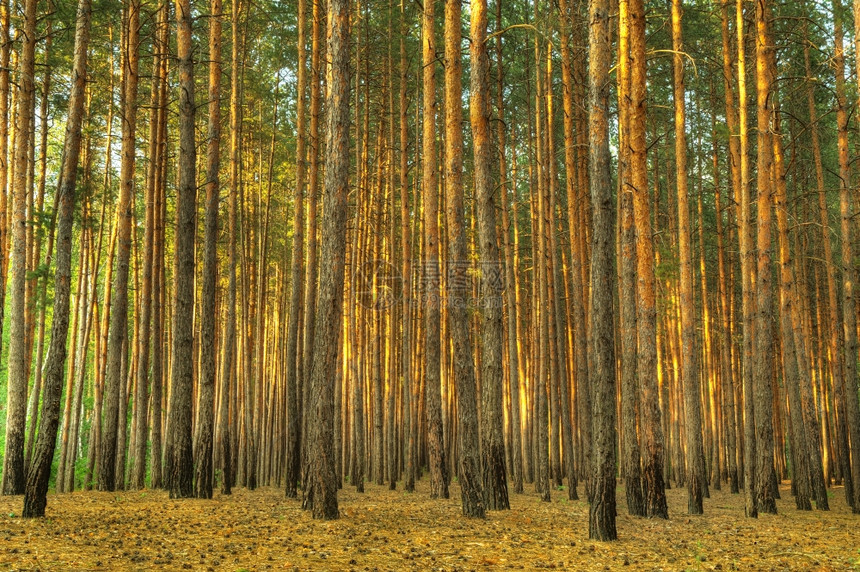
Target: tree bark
<point x="38" y="476"/>
<point x="690" y="369"/>
<point x="294" y="385"/>
<point x="432" y="270"/>
<point x="764" y="346"/>
<point x="646" y="312"/>
<point x="119" y="292"/>
<point x="14" y="471"/>
<point x="492" y="279"/>
<point x="630" y="453"/>
<point x="847" y="207"/>
<point x="322" y="481"/>
<point x="182" y="469"/>
<point x="469" y="466"/>
<point x="203" y="441"/>
<point x="601" y="518"/>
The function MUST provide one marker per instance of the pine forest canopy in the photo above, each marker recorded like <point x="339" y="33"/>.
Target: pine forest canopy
<point x="303" y="243"/>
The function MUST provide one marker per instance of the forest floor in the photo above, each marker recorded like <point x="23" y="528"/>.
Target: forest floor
<point x="391" y="530"/>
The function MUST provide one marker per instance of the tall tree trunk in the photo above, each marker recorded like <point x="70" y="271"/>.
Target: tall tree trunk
<point x="764" y="346"/>
<point x="309" y="309"/>
<point x="742" y="198"/>
<point x="35" y="494"/>
<point x="630" y="452"/>
<point x="810" y="410"/>
<point x="601" y="518"/>
<point x="791" y="359"/>
<point x="513" y="354"/>
<point x="690" y="369"/>
<point x="181" y="473"/>
<point x="410" y="396"/>
<point x="119" y="292"/>
<point x="492" y="279"/>
<point x="646" y="314"/>
<point x="228" y="361"/>
<point x="322" y="478"/>
<point x="727" y="355"/>
<point x="541" y="322"/>
<point x="847" y="207"/>
<point x="203" y="442"/>
<point x="294" y="384"/>
<point x="575" y="180"/>
<point x="158" y="369"/>
<point x="14" y="471"/>
<point x="469" y="466"/>
<point x="432" y="271"/>
<point x="5" y="52"/>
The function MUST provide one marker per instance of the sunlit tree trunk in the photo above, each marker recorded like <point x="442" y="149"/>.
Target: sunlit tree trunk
<point x="294" y="385"/>
<point x="726" y="346"/>
<point x="228" y="356"/>
<point x="410" y="424"/>
<point x="630" y="456"/>
<point x="646" y="315"/>
<point x="810" y="410"/>
<point x="690" y="370"/>
<point x="492" y="377"/>
<point x="847" y="207"/>
<point x="601" y="520"/>
<point x="39" y="473"/>
<point x="802" y="459"/>
<point x="742" y="198"/>
<point x="764" y="346"/>
<point x="432" y="270"/>
<point x="322" y="479"/>
<point x="513" y="353"/>
<point x="203" y="441"/>
<point x="469" y="465"/>
<point x="181" y="467"/>
<point x="114" y="378"/>
<point x="5" y="52"/>
<point x="14" y="471"/>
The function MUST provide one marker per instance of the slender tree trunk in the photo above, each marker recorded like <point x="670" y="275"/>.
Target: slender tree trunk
<point x="432" y="271"/>
<point x="119" y="292"/>
<point x="309" y="309"/>
<point x="601" y="518"/>
<point x="630" y="453"/>
<point x="294" y="385"/>
<point x="514" y="361"/>
<point x="158" y="369"/>
<point x="14" y="471"/>
<point x="5" y="52"/>
<point x="742" y="198"/>
<point x="690" y="369"/>
<point x="410" y="395"/>
<point x="322" y="482"/>
<point x="39" y="289"/>
<point x="810" y="410"/>
<point x="576" y="174"/>
<point x="800" y="449"/>
<point x="764" y="347"/>
<point x="35" y="495"/>
<point x="228" y="366"/>
<point x="469" y="466"/>
<point x="203" y="442"/>
<point x="646" y="315"/>
<point x="542" y="337"/>
<point x="492" y="278"/>
<point x="847" y="207"/>
<point x="727" y="355"/>
<point x="181" y="473"/>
